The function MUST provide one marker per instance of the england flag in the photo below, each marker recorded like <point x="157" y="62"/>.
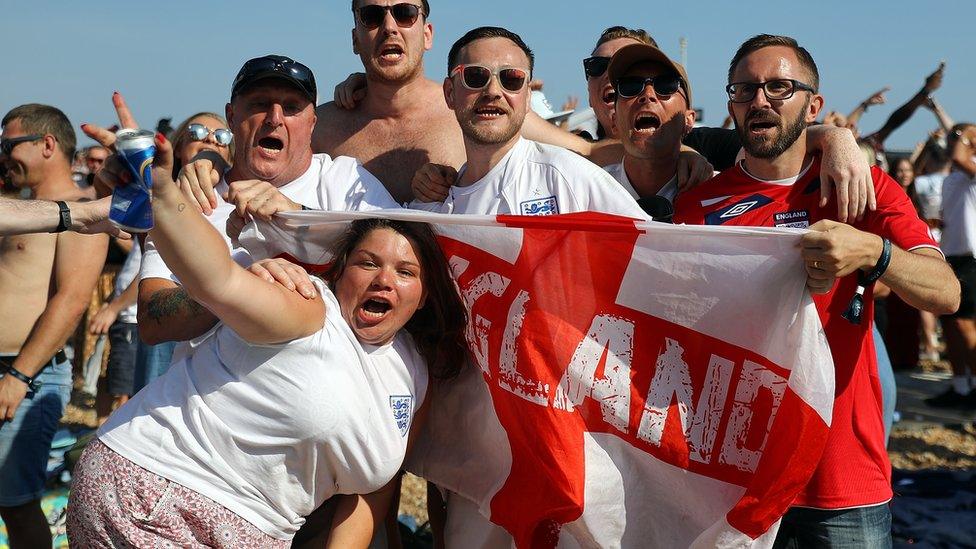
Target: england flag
<point x="632" y="384"/>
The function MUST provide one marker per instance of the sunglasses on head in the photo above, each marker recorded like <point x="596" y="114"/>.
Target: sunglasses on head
<point x="7" y="145"/>
<point x="199" y="132"/>
<point x="664" y="85"/>
<point x="477" y="77"/>
<point x="296" y="72"/>
<point x="595" y="66"/>
<point x="404" y="14"/>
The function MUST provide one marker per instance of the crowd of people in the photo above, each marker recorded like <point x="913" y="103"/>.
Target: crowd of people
<point x="240" y="400"/>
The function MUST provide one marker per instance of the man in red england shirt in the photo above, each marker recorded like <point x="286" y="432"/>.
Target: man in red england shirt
<point x="773" y="96"/>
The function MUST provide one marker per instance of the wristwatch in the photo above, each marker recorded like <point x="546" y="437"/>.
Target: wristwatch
<point x="64" y="217"/>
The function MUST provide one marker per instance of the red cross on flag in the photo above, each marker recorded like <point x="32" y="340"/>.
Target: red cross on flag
<point x="632" y="384"/>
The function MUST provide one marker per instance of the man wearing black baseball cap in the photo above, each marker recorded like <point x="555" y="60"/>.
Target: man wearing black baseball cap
<point x="271" y="114"/>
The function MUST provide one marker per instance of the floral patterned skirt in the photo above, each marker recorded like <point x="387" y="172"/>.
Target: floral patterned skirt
<point x="116" y="503"/>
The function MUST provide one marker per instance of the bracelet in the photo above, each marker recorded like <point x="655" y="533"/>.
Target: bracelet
<point x="23" y="377"/>
<point x="856" y="307"/>
<point x="64" y="217"/>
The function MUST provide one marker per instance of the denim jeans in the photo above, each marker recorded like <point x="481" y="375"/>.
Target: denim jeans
<point x="25" y="442"/>
<point x="862" y="527"/>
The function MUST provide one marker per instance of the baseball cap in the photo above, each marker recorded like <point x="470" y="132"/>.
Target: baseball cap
<point x="277" y="67"/>
<point x="631" y="54"/>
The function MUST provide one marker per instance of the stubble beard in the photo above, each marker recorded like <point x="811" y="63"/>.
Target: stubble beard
<point x="490" y="136"/>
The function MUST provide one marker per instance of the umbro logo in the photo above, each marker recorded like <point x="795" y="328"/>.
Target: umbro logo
<point x="749" y="203"/>
<point x="739" y="209"/>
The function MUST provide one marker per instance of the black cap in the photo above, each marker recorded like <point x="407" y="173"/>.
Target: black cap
<point x="279" y="67"/>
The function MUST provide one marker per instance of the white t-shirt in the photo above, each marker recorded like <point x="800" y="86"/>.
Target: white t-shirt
<point x="125" y="276"/>
<point x="958" y="214"/>
<point x="929" y="191"/>
<point x="340" y="184"/>
<point x="669" y="190"/>
<point x="538" y="179"/>
<point x="272" y="431"/>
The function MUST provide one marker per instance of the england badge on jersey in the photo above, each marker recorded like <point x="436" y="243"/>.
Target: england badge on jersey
<point x="540" y="206"/>
<point x="797" y="219"/>
<point x="401" y="406"/>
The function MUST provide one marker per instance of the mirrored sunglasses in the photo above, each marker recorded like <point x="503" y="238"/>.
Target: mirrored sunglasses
<point x="199" y="132"/>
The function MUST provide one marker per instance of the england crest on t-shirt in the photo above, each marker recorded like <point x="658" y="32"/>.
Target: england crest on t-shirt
<point x="401" y="412"/>
<point x="540" y="206"/>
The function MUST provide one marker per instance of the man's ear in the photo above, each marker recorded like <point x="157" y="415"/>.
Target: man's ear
<point x="229" y="115"/>
<point x="814" y="108"/>
<point x="355" y="42"/>
<point x="428" y="36"/>
<point x="449" y="92"/>
<point x="50" y="146"/>
<point x="690" y="116"/>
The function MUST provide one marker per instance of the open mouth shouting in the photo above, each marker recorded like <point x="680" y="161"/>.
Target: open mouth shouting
<point x="374" y="310"/>
<point x="270" y="146"/>
<point x="609" y="95"/>
<point x="646" y="122"/>
<point x="391" y="53"/>
<point x="761" y="124"/>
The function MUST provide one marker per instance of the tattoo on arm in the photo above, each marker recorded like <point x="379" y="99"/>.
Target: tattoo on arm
<point x="173" y="302"/>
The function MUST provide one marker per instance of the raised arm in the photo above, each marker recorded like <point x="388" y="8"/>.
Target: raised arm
<point x="904" y="112"/>
<point x="877" y="98"/>
<point x="258" y="311"/>
<point x="945" y="121"/>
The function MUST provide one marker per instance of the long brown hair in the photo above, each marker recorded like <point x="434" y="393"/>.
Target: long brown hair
<point x="438" y="327"/>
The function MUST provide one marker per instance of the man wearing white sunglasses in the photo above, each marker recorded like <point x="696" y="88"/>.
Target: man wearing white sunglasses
<point x="487" y="88"/>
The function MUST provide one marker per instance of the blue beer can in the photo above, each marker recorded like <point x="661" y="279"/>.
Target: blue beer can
<point x="131" y="206"/>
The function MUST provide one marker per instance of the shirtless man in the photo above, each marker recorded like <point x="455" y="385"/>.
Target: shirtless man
<point x="46" y="281"/>
<point x="401" y="121"/>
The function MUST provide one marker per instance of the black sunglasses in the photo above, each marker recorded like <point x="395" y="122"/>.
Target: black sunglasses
<point x="664" y="85"/>
<point x="7" y="145"/>
<point x="290" y="69"/>
<point x="404" y="14"/>
<point x="775" y="90"/>
<point x="595" y="66"/>
<point x="658" y="207"/>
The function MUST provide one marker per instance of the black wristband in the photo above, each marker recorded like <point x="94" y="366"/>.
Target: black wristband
<point x="64" y="216"/>
<point x="856" y="307"/>
<point x="880" y="268"/>
<point x="23" y="377"/>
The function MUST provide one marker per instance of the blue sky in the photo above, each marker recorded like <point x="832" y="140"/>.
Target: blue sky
<point x="180" y="57"/>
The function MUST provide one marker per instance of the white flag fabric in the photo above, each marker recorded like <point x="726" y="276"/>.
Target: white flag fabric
<point x="633" y="384"/>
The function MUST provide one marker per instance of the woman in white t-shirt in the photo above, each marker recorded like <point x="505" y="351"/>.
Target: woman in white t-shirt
<point x="288" y="401"/>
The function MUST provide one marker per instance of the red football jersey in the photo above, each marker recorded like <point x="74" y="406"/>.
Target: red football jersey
<point x="854" y="470"/>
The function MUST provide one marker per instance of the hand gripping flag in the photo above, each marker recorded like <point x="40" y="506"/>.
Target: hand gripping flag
<point x="633" y="384"/>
